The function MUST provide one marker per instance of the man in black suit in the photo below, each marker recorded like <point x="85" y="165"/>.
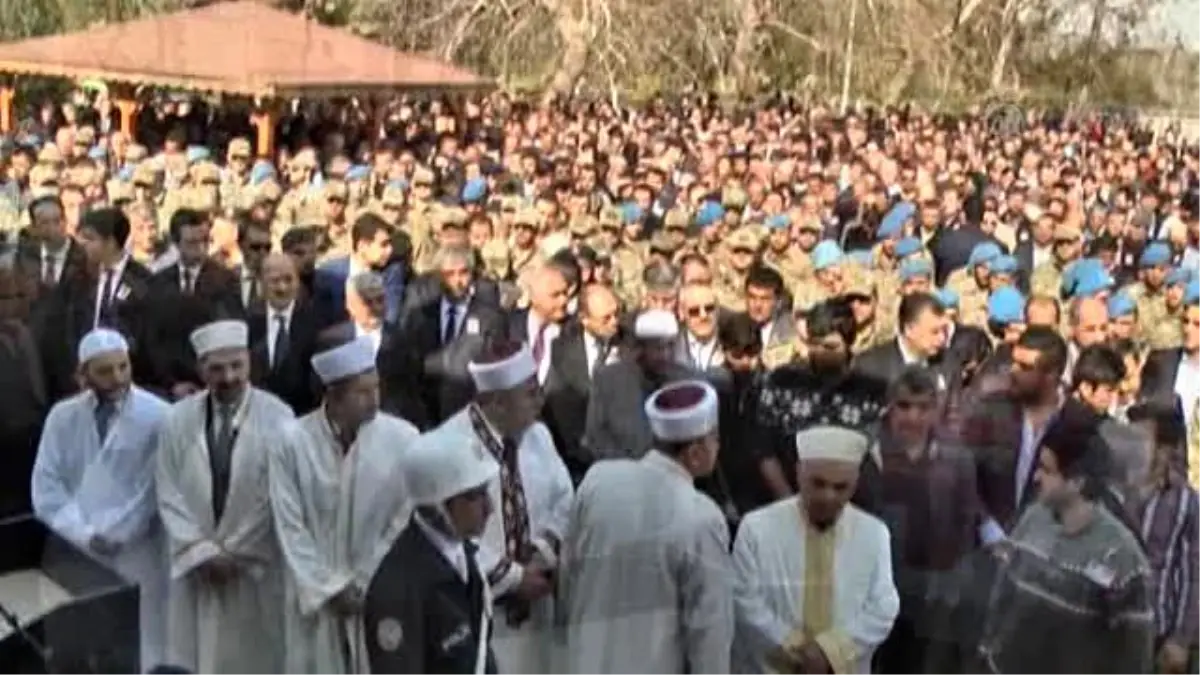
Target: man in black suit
<point x="50" y="251"/>
<point x="437" y="341"/>
<point x="283" y="337"/>
<point x="114" y="295"/>
<point x="583" y="347"/>
<point x="539" y="324"/>
<point x="186" y="295"/>
<point x="922" y="336"/>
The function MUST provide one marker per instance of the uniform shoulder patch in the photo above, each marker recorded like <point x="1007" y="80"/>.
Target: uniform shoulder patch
<point x="390" y="634"/>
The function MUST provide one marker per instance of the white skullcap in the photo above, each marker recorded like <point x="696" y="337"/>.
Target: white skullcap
<point x="683" y="411"/>
<point x="505" y="373"/>
<point x="353" y="358"/>
<point x="443" y="463"/>
<point x="100" y="341"/>
<point x="225" y="334"/>
<point x="555" y="242"/>
<point x="838" y="444"/>
<point x="656" y="324"/>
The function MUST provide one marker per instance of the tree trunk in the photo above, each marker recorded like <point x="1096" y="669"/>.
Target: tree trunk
<point x="1008" y="23"/>
<point x="576" y="36"/>
<point x="741" y="59"/>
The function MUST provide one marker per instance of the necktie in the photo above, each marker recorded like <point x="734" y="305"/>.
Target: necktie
<point x="281" y="340"/>
<point x="220" y="457"/>
<point x="49" y="267"/>
<point x="252" y="292"/>
<point x="105" y="411"/>
<point x="601" y="356"/>
<point x="106" y="299"/>
<point x="449" y="333"/>
<point x="539" y="344"/>
<point x="187" y="281"/>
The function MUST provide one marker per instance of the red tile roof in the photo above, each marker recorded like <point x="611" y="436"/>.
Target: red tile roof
<point x="239" y="47"/>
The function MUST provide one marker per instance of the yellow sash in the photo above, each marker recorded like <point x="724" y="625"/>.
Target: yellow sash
<point x="816" y="611"/>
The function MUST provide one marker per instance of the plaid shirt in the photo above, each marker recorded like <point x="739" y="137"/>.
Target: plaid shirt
<point x="1169" y="529"/>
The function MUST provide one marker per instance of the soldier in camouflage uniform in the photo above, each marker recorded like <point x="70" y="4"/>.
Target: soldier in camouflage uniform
<point x="784" y="256"/>
<point x="663" y="247"/>
<point x="675" y="226"/>
<point x="523" y="248"/>
<point x="299" y="195"/>
<point x="235" y="177"/>
<point x="710" y="220"/>
<point x="1068" y="247"/>
<point x="1150" y="295"/>
<point x="1170" y="334"/>
<point x="971" y="284"/>
<point x="864" y="303"/>
<point x="582" y="229"/>
<point x="730" y="282"/>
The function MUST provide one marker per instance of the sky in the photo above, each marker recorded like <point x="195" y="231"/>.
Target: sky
<point x="1177" y="17"/>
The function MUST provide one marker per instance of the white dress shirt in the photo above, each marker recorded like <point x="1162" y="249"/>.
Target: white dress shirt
<point x="702" y="355"/>
<point x="453" y="551"/>
<point x="1042" y="254"/>
<point x="116" y="272"/>
<point x="57" y="259"/>
<point x="273" y="327"/>
<point x="532" y="325"/>
<point x="591" y="350"/>
<point x="376" y="335"/>
<point x="1187" y="386"/>
<point x="460" y="315"/>
<point x="246" y="278"/>
<point x="184" y="272"/>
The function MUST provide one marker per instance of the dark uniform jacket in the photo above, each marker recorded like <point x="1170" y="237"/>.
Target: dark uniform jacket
<point x="419" y="615"/>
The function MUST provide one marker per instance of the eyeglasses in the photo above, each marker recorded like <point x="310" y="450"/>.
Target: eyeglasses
<point x="700" y="310"/>
<point x="258" y="246"/>
<point x="742" y="251"/>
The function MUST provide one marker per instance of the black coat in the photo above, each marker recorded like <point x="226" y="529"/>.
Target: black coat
<point x="174" y="315"/>
<point x="290" y="378"/>
<point x="419" y="615"/>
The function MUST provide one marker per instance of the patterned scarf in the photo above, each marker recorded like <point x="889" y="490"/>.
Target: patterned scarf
<point x="517" y="543"/>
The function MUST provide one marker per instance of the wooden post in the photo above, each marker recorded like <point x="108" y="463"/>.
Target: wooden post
<point x="127" y="107"/>
<point x="7" y="94"/>
<point x="263" y="118"/>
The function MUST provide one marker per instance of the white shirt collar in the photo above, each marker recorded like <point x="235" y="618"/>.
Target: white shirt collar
<point x="451" y="549"/>
<point x="909" y="357"/>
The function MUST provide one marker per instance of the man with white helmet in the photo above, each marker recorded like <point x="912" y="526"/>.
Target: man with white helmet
<point x="93" y="481"/>
<point x="226" y="603"/>
<point x="646" y="577"/>
<point x="336" y="495"/>
<point x="428" y="608"/>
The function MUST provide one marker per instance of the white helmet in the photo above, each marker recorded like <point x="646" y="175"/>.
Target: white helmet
<point x="444" y="463"/>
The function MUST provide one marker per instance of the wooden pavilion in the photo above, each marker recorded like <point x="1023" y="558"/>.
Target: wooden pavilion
<point x="240" y="48"/>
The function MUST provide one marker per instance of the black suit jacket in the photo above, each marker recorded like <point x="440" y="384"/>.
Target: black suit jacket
<point x="29" y="256"/>
<point x="1158" y="375"/>
<point x="69" y="312"/>
<point x="567" y="391"/>
<point x="444" y="382"/>
<point x="427" y="288"/>
<point x="175" y="314"/>
<point x="290" y="377"/>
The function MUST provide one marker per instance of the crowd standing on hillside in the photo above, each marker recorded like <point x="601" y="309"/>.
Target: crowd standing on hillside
<point x="480" y="386"/>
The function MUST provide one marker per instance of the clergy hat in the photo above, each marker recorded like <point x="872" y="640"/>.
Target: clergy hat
<point x="504" y="366"/>
<point x="346" y="360"/>
<point x="656" y="324"/>
<point x="837" y="444"/>
<point x="443" y="463"/>
<point x="101" y="341"/>
<point x="683" y="411"/>
<point x="224" y="334"/>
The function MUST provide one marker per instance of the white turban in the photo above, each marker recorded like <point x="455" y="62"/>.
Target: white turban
<point x="101" y="341"/>
<point x="226" y="334"/>
<point x="838" y="444"/>
<point x="505" y="373"/>
<point x="353" y="358"/>
<point x="683" y="411"/>
<point x="656" y="324"/>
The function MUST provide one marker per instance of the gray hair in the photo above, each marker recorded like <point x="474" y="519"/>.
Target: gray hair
<point x="453" y="253"/>
<point x="661" y="277"/>
<point x="366" y="281"/>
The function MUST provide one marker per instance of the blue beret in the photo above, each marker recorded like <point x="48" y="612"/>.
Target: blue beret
<point x="893" y="223"/>
<point x="1006" y="305"/>
<point x="862" y="257"/>
<point x="1191" y="295"/>
<point x="1179" y="276"/>
<point x="1002" y="264"/>
<point x="915" y="267"/>
<point x="947" y="298"/>
<point x="98" y="153"/>
<point x="197" y="153"/>
<point x="358" y="172"/>
<point x="709" y="213"/>
<point x="126" y="173"/>
<point x="1085" y="277"/>
<point x="631" y="213"/>
<point x="474" y="190"/>
<point x="1121" y="304"/>
<point x="779" y="222"/>
<point x="1156" y="253"/>
<point x="826" y="254"/>
<point x="397" y="184"/>
<point x="907" y="246"/>
<point x="983" y="253"/>
<point x="261" y="171"/>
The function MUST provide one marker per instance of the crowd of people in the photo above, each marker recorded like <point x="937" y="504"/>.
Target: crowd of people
<point x="487" y="386"/>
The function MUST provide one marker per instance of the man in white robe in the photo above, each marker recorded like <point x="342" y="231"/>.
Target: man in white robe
<point x="520" y="544"/>
<point x="646" y="575"/>
<point x="93" y="481"/>
<point x="226" y="606"/>
<point x="814" y="590"/>
<point x="337" y="495"/>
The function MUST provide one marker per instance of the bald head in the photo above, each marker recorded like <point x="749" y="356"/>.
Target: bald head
<point x="599" y="311"/>
<point x="280" y="280"/>
<point x="1089" y="321"/>
<point x="548" y="293"/>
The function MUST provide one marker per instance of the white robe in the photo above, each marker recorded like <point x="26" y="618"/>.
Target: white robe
<point x="336" y="516"/>
<point x="529" y="648"/>
<point x="238" y="625"/>
<point x="646" y="579"/>
<point x="84" y="486"/>
<point x="769" y="570"/>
